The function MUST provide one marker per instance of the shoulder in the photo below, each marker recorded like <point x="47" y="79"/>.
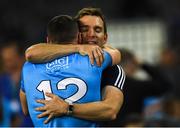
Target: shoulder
<point x="26" y="63"/>
<point x="107" y="60"/>
<point x="115" y="70"/>
<point x="107" y="55"/>
<point x="27" y="67"/>
<point x="114" y="76"/>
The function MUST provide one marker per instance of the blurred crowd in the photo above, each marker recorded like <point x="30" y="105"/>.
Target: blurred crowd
<point x="151" y="92"/>
<point x="12" y="59"/>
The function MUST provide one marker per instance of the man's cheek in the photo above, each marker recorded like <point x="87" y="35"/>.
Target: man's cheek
<point x="84" y="39"/>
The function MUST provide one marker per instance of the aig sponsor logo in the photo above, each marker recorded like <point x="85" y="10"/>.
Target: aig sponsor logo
<point x="57" y="64"/>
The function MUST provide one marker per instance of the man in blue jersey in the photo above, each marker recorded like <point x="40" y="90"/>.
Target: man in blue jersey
<point x="72" y="78"/>
<point x="93" y="29"/>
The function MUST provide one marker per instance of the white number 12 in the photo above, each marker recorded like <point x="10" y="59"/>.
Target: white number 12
<point x="45" y="86"/>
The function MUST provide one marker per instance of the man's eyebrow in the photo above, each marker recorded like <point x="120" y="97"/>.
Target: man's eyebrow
<point x="83" y="25"/>
<point x="80" y="23"/>
<point x="97" y="26"/>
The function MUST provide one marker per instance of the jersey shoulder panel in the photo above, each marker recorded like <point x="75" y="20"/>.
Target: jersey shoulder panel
<point x="113" y="76"/>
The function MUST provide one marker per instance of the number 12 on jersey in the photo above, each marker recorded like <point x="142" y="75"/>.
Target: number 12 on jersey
<point x="45" y="86"/>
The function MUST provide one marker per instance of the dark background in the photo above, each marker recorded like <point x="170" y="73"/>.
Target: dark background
<point x="26" y="19"/>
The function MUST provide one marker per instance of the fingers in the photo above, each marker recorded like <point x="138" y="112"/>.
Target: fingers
<point x="94" y="52"/>
<point x="46" y="113"/>
<point x="91" y="57"/>
<point x="98" y="55"/>
<point x="50" y="95"/>
<point x="42" y="101"/>
<point x="101" y="55"/>
<point x="82" y="53"/>
<point x="90" y="54"/>
<point x="43" y="108"/>
<point x="40" y="108"/>
<point x="48" y="119"/>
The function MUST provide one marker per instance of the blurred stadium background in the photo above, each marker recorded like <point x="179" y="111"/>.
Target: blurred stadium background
<point x="144" y="27"/>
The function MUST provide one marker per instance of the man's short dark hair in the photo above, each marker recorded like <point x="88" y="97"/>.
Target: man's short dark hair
<point x="62" y="28"/>
<point x="91" y="12"/>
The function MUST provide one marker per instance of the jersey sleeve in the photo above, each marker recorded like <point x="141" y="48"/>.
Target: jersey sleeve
<point x="113" y="76"/>
<point x="107" y="60"/>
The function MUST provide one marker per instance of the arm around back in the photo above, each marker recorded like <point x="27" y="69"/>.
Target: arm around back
<point x="24" y="105"/>
<point x="43" y="52"/>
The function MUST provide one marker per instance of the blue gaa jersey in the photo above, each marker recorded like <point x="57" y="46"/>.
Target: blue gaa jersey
<point x="72" y="78"/>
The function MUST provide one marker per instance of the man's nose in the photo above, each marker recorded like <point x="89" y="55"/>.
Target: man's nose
<point x="92" y="32"/>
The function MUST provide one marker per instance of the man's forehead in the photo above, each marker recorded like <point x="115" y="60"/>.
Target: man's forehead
<point x="91" y="20"/>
